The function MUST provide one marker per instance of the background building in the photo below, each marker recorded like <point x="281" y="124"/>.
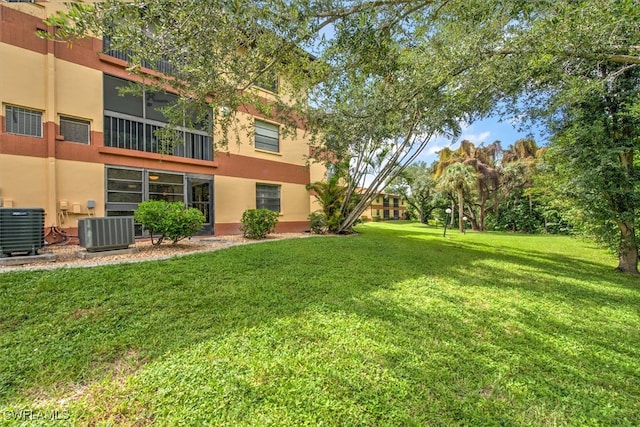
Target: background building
<point x="71" y="145"/>
<point x="385" y="207"/>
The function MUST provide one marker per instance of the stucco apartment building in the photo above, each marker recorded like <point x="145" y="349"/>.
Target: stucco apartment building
<point x="386" y="207"/>
<point x="70" y="145"/>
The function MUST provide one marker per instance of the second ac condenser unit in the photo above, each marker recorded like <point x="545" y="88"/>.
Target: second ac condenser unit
<point x="106" y="234"/>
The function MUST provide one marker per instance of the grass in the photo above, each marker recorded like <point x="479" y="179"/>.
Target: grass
<point x="394" y="326"/>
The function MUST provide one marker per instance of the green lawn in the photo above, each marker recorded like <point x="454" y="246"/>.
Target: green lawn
<point x="394" y="326"/>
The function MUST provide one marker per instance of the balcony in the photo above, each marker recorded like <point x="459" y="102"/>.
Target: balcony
<point x="162" y="66"/>
<point x="139" y="135"/>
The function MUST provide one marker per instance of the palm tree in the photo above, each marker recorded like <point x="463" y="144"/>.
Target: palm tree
<point x="456" y="178"/>
<point x="519" y="163"/>
<point x="522" y="149"/>
<point x="483" y="160"/>
<point x="330" y="195"/>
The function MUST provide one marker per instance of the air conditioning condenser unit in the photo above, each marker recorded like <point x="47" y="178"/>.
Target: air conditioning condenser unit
<point x="21" y="231"/>
<point x="106" y="234"/>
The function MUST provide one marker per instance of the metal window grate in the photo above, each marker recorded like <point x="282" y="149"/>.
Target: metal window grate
<point x="75" y="130"/>
<point x="23" y="121"/>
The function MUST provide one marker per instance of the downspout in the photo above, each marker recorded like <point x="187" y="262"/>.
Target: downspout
<point x="51" y="208"/>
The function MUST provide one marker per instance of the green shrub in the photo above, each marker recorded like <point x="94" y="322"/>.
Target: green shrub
<point x="257" y="223"/>
<point x="318" y="222"/>
<point x="168" y="220"/>
<point x="375" y="218"/>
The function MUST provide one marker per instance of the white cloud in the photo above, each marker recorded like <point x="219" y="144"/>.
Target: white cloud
<point x="476" y="138"/>
<point x="433" y="149"/>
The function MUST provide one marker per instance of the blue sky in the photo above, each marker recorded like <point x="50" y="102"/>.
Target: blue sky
<point x="482" y="131"/>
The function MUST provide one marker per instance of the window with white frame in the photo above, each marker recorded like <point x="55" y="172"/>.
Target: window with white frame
<point x="267" y="136"/>
<point x="23" y="121"/>
<point x="268" y="197"/>
<point x="75" y="130"/>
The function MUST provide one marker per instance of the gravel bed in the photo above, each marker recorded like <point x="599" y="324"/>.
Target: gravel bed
<point x="66" y="255"/>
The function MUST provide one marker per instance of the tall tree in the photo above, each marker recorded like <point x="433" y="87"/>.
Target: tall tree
<point x="595" y="150"/>
<point x="400" y="76"/>
<point x="396" y="72"/>
<point x="581" y="62"/>
<point x="458" y="178"/>
<point x="517" y="167"/>
<point x="483" y="160"/>
<point x="393" y="74"/>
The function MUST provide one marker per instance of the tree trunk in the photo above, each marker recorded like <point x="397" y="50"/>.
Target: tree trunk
<point x="628" y="249"/>
<point x="460" y="209"/>
<point x="628" y="253"/>
<point x="474" y="222"/>
<point x="482" y="210"/>
<point x="471" y="217"/>
<point x="453" y="208"/>
<point x="427" y="214"/>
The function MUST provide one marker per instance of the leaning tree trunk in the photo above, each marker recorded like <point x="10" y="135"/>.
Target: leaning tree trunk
<point x="628" y="253"/>
<point x="472" y="218"/>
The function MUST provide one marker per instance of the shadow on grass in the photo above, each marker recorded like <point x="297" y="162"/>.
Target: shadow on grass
<point x="556" y="261"/>
<point x="456" y="330"/>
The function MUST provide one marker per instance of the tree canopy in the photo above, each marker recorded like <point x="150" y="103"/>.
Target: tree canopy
<point x="390" y="74"/>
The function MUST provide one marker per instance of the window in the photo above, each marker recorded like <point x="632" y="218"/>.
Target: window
<point x="267" y="136"/>
<point x="268" y="197"/>
<point x="126" y="188"/>
<point x="23" y="121"/>
<point x="268" y="81"/>
<point x="75" y="130"/>
<point x="126" y="103"/>
<point x="166" y="186"/>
